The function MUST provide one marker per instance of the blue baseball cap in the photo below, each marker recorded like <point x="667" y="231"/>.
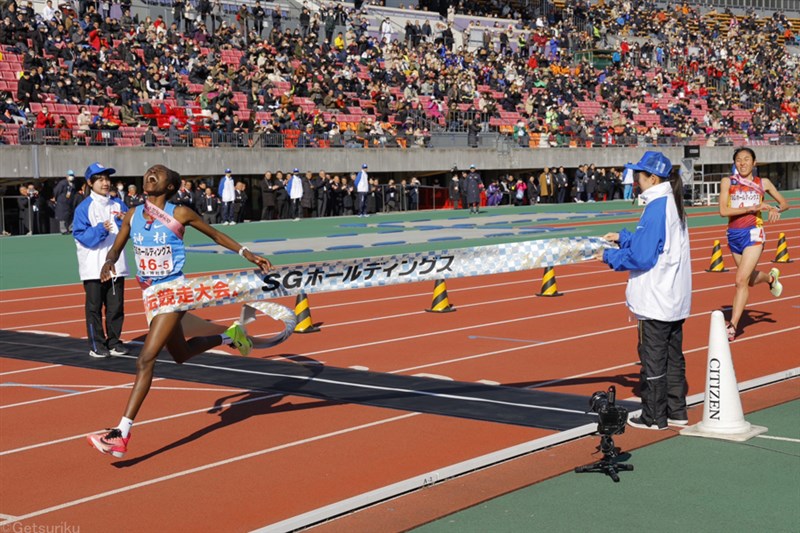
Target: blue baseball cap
<point x="653" y="163"/>
<point x="95" y="169"/>
<point x="70" y="172"/>
<point x="227" y="171"/>
<point x="364" y="165"/>
<point x="296" y="170"/>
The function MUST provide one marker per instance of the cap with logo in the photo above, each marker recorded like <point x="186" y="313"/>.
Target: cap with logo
<point x="96" y="168"/>
<point x="653" y="163"/>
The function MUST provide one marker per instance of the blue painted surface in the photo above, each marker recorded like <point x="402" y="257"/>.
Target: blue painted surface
<point x="345" y="247"/>
<point x="302" y="251"/>
<point x="389" y="243"/>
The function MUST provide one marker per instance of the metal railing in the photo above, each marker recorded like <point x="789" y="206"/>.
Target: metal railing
<point x="452" y="135"/>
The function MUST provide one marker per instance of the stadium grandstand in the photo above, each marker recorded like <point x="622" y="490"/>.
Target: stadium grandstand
<point x="411" y="89"/>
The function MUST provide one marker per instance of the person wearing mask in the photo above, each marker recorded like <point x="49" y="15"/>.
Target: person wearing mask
<point x="64" y="197"/>
<point x="96" y="225"/>
<point x="659" y="290"/>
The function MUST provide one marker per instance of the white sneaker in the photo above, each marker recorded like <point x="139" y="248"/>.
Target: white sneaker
<point x="677" y="421"/>
<point x="776" y="287"/>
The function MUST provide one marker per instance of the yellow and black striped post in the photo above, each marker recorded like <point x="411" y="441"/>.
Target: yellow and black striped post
<point x="782" y="253"/>
<point x="717" y="265"/>
<point x="440" y="304"/>
<point x="303" y="313"/>
<point x="549" y="287"/>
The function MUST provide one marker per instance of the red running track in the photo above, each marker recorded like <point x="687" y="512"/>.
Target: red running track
<point x="258" y="459"/>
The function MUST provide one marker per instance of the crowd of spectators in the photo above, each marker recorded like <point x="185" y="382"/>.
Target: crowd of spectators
<point x="45" y="207"/>
<point x="251" y="79"/>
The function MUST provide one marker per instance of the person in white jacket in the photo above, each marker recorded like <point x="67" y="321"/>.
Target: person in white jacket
<point x="659" y="291"/>
<point x="94" y="227"/>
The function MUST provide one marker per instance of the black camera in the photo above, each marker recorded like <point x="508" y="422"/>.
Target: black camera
<point x="611" y="417"/>
<point x="611" y="421"/>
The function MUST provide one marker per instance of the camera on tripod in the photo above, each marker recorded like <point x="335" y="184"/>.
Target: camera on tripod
<point x="611" y="420"/>
<point x="611" y="417"/>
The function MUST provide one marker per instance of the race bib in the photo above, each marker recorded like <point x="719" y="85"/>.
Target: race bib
<point x="154" y="261"/>
<point x="745" y="198"/>
<point x="757" y="235"/>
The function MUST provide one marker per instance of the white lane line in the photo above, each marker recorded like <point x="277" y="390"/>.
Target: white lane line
<point x="41" y="332"/>
<point x="560" y="340"/>
<point x="34" y="369"/>
<point x="625" y="365"/>
<point x="784" y="439"/>
<point x="84" y="386"/>
<point x="433" y="376"/>
<point x="71" y="395"/>
<point x="317" y="379"/>
<point x="144" y="422"/>
<point x="497" y="323"/>
<point x="209" y="466"/>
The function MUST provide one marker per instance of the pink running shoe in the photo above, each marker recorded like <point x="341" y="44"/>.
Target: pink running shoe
<point x="110" y="441"/>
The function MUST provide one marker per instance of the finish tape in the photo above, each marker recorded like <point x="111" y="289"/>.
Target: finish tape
<point x="255" y="288"/>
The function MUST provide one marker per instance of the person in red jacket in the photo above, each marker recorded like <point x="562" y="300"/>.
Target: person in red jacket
<point x="45" y="119"/>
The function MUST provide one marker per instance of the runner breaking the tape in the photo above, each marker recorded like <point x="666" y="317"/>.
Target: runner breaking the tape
<point x="741" y="199"/>
<point x="157" y="229"/>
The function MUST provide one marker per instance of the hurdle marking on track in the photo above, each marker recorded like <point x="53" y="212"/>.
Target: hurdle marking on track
<point x="39" y="387"/>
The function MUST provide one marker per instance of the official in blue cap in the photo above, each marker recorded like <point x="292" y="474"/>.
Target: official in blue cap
<point x="659" y="292"/>
<point x="95" y="226"/>
<point x="96" y="169"/>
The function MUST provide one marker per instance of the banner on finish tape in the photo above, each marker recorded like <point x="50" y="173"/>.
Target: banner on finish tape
<point x="254" y="286"/>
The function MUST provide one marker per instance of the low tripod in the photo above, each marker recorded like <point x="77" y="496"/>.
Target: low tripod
<point x="608" y="465"/>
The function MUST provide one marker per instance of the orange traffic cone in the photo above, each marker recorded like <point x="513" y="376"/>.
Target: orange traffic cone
<point x="549" y="287"/>
<point x="440" y="304"/>
<point x="303" y="313"/>
<point x="782" y="253"/>
<point x="717" y="264"/>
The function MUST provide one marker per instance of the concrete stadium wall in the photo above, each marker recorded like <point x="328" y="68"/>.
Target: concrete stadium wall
<point x="42" y="161"/>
